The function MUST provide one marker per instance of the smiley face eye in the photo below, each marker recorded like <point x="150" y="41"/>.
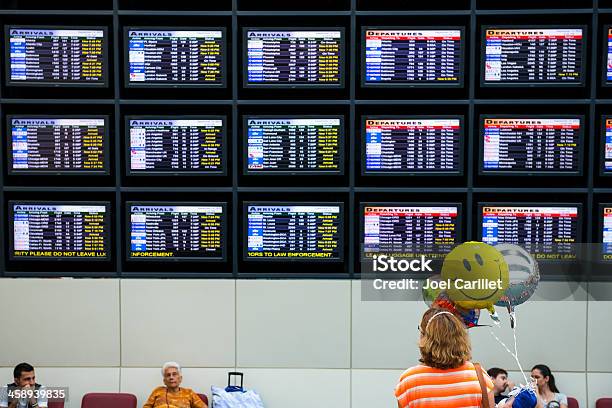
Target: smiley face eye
<point x="479" y="259"/>
<point x="466" y="265"/>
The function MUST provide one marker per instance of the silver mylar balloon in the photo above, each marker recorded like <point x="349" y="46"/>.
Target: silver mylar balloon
<point x="524" y="275"/>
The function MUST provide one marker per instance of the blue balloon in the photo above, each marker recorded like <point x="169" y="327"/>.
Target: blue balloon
<point x="525" y="399"/>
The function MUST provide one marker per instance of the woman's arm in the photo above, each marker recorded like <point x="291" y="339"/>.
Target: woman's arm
<point x="151" y="400"/>
<point x="196" y="401"/>
<point x="491" y="398"/>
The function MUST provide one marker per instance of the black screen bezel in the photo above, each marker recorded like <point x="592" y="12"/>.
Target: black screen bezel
<point x="106" y="146"/>
<point x="602" y="147"/>
<point x="426" y="173"/>
<point x="245" y="147"/>
<point x="600" y="230"/>
<point x="535" y="84"/>
<point x="107" y="224"/>
<point x="128" y="230"/>
<point x="126" y="59"/>
<point x="604" y="75"/>
<point x="245" y="245"/>
<point x="362" y="206"/>
<point x="579" y="238"/>
<point x="105" y="56"/>
<point x="405" y="84"/>
<point x="539" y="173"/>
<point x="148" y="173"/>
<point x="245" y="58"/>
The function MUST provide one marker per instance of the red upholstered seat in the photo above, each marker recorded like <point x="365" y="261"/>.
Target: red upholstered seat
<point x="108" y="400"/>
<point x="56" y="404"/>
<point x="204" y="398"/>
<point x="572" y="403"/>
<point x="604" y="403"/>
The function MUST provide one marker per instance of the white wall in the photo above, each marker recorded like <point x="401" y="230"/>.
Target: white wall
<point x="311" y="338"/>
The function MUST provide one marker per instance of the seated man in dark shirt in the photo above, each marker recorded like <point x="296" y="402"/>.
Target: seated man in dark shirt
<point x="501" y="382"/>
<point x="23" y="392"/>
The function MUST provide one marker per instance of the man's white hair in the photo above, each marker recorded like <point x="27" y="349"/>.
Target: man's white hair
<point x="171" y="364"/>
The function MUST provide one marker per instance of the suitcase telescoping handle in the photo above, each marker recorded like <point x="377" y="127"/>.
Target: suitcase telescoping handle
<point x="232" y="388"/>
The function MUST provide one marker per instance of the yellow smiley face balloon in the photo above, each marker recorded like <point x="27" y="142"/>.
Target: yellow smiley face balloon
<point x="477" y="275"/>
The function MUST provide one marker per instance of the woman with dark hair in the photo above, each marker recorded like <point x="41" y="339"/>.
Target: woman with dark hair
<point x="547" y="389"/>
<point x="445" y="378"/>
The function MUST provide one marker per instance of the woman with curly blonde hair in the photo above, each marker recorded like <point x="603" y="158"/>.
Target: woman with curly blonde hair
<point x="445" y="378"/>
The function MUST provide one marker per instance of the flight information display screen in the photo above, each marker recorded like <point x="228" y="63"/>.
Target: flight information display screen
<point x="172" y="231"/>
<point x="413" y="57"/>
<point x="294" y="145"/>
<point x="175" y="57"/>
<point x="609" y="55"/>
<point x="549" y="232"/>
<point x="76" y="231"/>
<point x="176" y="145"/>
<point x="62" y="56"/>
<point x="413" y="145"/>
<point x="57" y="145"/>
<point x="606" y="231"/>
<point x="531" y="145"/>
<point x="289" y="58"/>
<point x="607" y="146"/>
<point x="294" y="231"/>
<point x="534" y="56"/>
<point x="400" y="230"/>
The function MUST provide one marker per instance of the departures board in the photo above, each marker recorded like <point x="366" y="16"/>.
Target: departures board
<point x="408" y="231"/>
<point x="536" y="55"/>
<point x="241" y="139"/>
<point x="514" y="145"/>
<point x="547" y="231"/>
<point x="410" y="57"/>
<point x="412" y="145"/>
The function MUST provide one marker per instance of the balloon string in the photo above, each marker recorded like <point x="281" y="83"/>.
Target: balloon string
<point x="515" y="354"/>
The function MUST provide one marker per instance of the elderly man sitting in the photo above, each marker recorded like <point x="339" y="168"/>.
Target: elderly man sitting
<point x="172" y="395"/>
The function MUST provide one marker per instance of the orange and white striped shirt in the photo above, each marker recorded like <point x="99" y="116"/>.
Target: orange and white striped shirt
<point x="425" y="387"/>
